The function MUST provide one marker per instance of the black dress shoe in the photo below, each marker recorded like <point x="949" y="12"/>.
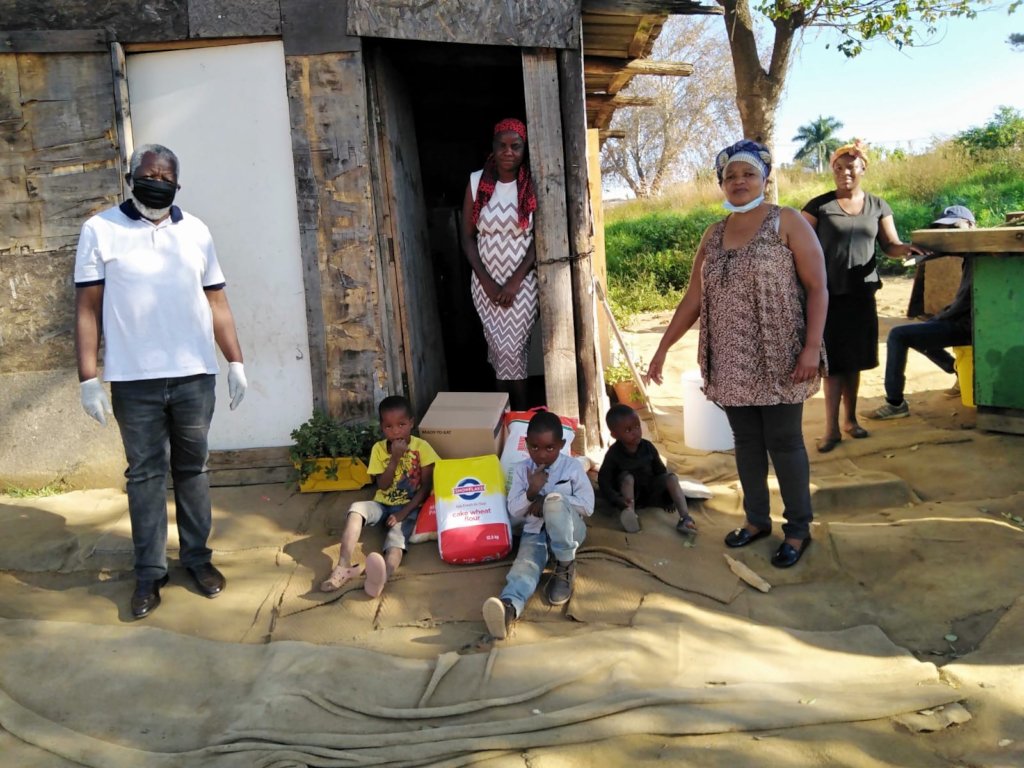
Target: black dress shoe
<point x="741" y="537"/>
<point x="208" y="579"/>
<point x="787" y="555"/>
<point x="146" y="596"/>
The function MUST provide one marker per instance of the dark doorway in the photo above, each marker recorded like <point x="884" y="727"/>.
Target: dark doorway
<point x="457" y="94"/>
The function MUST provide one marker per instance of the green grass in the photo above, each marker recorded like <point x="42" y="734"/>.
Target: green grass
<point x="52" y="489"/>
<point x="650" y="244"/>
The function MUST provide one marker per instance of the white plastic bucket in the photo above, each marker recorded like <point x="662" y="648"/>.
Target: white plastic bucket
<point x="705" y="426"/>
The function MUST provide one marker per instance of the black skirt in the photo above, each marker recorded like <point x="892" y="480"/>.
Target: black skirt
<point x="851" y="333"/>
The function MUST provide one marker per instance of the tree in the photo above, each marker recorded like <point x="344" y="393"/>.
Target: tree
<point x="691" y="118"/>
<point x="1016" y="40"/>
<point x="819" y="138"/>
<point x="759" y="86"/>
<point x="1004" y="131"/>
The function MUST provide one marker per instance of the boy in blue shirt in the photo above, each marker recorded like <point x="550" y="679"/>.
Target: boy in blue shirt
<point x="550" y="495"/>
<point x="402" y="467"/>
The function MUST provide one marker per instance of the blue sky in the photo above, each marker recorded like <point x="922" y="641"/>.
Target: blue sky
<point x="906" y="98"/>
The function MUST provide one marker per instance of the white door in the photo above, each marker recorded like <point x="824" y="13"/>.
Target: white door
<point x="224" y="112"/>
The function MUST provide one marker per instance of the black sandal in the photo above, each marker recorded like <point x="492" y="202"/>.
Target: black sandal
<point x="686" y="525"/>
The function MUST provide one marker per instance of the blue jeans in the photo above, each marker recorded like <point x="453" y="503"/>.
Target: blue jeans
<point x="564" y="531"/>
<point x="930" y="338"/>
<point x="164" y="424"/>
<point x="776" y="431"/>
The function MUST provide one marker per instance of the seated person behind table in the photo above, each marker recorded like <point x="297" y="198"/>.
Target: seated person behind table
<point x="550" y="495"/>
<point x="633" y="474"/>
<point x="950" y="327"/>
<point x="402" y="467"/>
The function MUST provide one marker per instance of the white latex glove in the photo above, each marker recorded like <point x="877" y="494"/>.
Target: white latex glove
<point x="236" y="383"/>
<point x="94" y="400"/>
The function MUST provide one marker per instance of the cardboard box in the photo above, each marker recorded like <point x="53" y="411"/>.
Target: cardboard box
<point x="460" y="425"/>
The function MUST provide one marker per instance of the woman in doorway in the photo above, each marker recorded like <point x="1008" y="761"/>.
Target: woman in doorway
<point x="848" y="221"/>
<point x="497" y="236"/>
<point x="758" y="288"/>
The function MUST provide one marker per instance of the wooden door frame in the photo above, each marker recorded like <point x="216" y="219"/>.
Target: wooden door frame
<point x="396" y="356"/>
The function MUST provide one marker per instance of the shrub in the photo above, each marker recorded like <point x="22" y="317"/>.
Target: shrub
<point x="321" y="437"/>
<point x="616" y="374"/>
<point x="1004" y="131"/>
<point x="651" y="244"/>
<point x="649" y="259"/>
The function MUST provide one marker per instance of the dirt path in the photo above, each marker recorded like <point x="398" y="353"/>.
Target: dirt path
<point x="915" y="535"/>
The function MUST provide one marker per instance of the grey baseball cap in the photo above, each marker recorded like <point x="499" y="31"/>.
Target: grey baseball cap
<point x="954" y="214"/>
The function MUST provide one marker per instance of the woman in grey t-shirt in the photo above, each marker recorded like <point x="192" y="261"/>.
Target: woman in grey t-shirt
<point x="848" y="222"/>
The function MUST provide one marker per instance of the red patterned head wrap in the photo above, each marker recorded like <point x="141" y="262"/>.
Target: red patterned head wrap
<point x="511" y="124"/>
<point x="527" y="197"/>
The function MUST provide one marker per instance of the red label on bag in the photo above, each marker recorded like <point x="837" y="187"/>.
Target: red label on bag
<point x="475" y="544"/>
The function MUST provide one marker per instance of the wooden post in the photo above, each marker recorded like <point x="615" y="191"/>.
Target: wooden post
<point x="543" y="115"/>
<point x="581" y="228"/>
<point x="122" y="110"/>
<point x="599" y="264"/>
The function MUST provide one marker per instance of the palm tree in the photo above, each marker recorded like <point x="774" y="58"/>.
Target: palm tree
<point x="819" y="140"/>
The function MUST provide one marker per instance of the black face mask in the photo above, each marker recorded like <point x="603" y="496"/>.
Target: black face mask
<point x="154" y="193"/>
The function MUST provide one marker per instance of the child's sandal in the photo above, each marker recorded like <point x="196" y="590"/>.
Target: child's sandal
<point x="339" y="576"/>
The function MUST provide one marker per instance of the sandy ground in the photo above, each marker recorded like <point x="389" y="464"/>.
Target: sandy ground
<point x="917" y="533"/>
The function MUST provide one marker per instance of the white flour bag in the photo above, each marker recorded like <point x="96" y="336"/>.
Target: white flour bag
<point x="472" y="510"/>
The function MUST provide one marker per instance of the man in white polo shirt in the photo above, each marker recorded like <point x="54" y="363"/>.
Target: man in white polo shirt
<point x="147" y="278"/>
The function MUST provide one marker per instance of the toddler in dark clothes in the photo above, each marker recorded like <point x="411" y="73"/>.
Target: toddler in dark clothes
<point x="633" y="475"/>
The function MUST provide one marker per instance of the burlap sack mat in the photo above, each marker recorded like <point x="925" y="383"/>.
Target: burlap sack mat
<point x="130" y="697"/>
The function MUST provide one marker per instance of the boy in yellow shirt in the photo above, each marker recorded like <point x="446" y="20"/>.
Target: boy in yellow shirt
<point x="402" y="467"/>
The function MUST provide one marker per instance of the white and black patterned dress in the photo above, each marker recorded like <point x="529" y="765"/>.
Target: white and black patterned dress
<point x="502" y="244"/>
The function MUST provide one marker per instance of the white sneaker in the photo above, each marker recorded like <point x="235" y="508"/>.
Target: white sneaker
<point x="499" y="616"/>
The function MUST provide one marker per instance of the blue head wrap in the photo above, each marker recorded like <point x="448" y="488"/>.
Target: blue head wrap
<point x="744" y="151"/>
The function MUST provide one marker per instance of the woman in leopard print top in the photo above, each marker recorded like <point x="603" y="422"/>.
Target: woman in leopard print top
<point x="758" y="289"/>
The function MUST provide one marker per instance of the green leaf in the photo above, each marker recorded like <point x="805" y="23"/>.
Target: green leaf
<point x="322" y="437"/>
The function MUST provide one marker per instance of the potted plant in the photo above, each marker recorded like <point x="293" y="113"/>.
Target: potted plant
<point x="331" y="456"/>
<point x="620" y="378"/>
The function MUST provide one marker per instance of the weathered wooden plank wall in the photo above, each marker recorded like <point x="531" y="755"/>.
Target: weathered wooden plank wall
<point x="327" y="100"/>
<point x="147" y="21"/>
<point x="234" y="18"/>
<point x="47" y="41"/>
<point x="316" y="26"/>
<point x="60" y="165"/>
<point x="124" y="19"/>
<point x="551" y="24"/>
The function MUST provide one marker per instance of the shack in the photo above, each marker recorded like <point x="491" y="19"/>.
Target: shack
<point x="328" y="144"/>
